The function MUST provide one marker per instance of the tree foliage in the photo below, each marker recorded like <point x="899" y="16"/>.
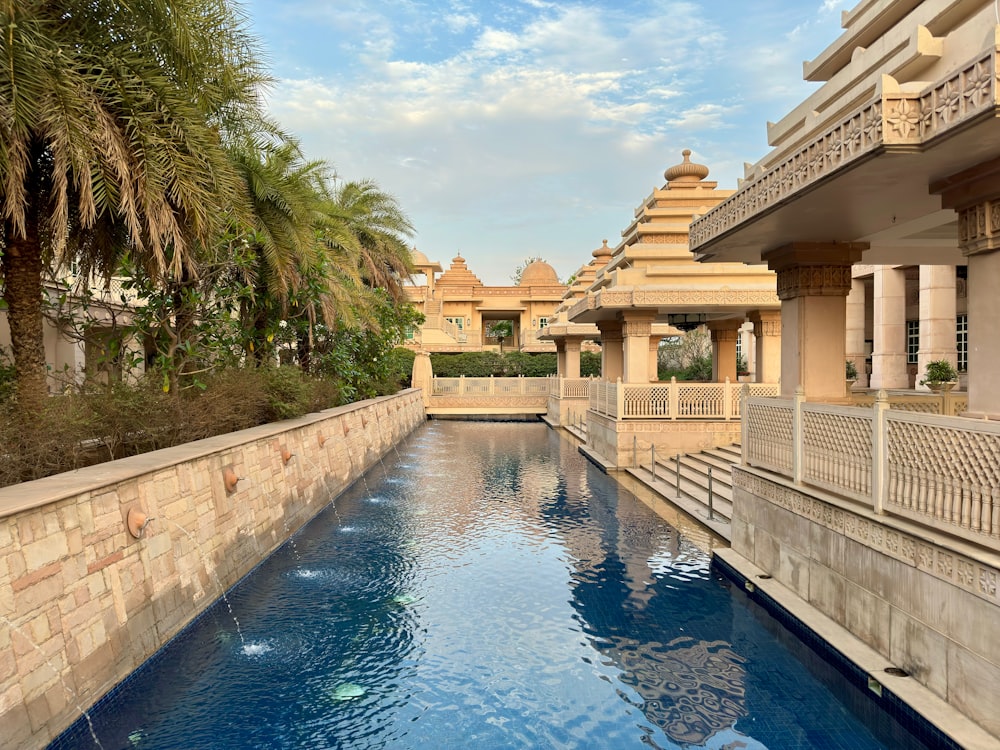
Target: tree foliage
<point x="686" y="357"/>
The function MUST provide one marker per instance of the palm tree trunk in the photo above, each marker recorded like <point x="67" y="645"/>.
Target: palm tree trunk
<point x="21" y="266"/>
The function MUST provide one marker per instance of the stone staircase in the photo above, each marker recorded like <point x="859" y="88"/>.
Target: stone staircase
<point x="693" y="497"/>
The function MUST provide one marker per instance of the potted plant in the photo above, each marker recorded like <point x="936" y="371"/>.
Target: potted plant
<point x="742" y="371"/>
<point x="940" y="375"/>
<point x="850" y="373"/>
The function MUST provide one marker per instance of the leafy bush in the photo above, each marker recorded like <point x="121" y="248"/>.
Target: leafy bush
<point x="590" y="364"/>
<point x="699" y="369"/>
<point x="399" y="368"/>
<point x="99" y="422"/>
<point x="491" y="363"/>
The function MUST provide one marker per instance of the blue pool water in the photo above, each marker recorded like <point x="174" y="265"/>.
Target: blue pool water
<point x="488" y="588"/>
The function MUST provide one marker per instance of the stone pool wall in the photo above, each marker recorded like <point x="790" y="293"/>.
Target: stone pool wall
<point x="927" y="602"/>
<point x="83" y="603"/>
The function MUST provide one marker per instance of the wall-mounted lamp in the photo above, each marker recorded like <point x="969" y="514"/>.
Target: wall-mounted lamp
<point x="286" y="455"/>
<point x="321" y="439"/>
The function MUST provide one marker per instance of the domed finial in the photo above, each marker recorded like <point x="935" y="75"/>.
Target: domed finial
<point x="686" y="171"/>
<point x="603" y="251"/>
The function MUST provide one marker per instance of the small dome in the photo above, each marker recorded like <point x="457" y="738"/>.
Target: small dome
<point x="539" y="273"/>
<point x="687" y="171"/>
<point x="419" y="259"/>
<point x="604" y="252"/>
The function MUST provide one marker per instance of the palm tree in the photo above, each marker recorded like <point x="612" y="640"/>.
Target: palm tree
<point x="113" y="118"/>
<point x="288" y="196"/>
<point x="378" y="229"/>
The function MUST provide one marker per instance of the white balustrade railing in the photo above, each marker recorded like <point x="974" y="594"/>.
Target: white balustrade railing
<point x="949" y="404"/>
<point x="940" y="471"/>
<point x="604" y="398"/>
<point x="484" y="387"/>
<point x="570" y="387"/>
<point x="673" y="399"/>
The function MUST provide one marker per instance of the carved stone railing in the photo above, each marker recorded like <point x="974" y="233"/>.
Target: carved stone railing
<point x="894" y="119"/>
<point x="570" y="387"/>
<point x="672" y="400"/>
<point x="940" y="471"/>
<point x="477" y="387"/>
<point x="950" y="404"/>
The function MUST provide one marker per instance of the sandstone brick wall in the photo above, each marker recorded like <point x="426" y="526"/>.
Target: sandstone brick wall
<point x="82" y="603"/>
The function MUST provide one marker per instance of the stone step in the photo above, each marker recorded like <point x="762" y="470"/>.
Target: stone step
<point x="716" y="461"/>
<point x="694" y="480"/>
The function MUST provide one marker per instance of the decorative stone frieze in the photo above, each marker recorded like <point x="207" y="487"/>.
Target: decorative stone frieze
<point x="611" y="330"/>
<point x="667" y="297"/>
<point x="893" y="120"/>
<point x="814" y="281"/>
<point x="973" y="576"/>
<point x="637" y="328"/>
<point x="662" y="239"/>
<point x="979" y="227"/>
<point x="767" y="327"/>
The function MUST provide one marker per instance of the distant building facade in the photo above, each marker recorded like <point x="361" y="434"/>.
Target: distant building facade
<point x="461" y="313"/>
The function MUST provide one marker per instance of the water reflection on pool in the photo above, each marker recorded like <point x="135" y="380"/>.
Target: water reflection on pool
<point x="498" y="592"/>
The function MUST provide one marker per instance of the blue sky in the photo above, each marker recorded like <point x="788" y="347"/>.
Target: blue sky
<point x="526" y="128"/>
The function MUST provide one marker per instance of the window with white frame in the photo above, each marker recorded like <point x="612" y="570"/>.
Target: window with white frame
<point x="542" y="322"/>
<point x="912" y="341"/>
<point x="962" y="341"/>
<point x="459" y="322"/>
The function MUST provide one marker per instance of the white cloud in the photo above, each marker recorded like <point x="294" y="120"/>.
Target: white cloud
<point x="542" y="134"/>
<point x="458" y="23"/>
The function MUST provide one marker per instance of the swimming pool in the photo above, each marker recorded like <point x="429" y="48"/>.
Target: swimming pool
<point x="486" y="587"/>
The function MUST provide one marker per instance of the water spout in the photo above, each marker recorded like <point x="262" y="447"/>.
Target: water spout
<point x="230" y="480"/>
<point x="136" y="522"/>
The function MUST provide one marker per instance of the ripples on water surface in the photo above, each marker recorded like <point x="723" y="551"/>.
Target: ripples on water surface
<point x="498" y="592"/>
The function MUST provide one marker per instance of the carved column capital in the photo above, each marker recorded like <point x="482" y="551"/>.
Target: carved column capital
<point x="814" y="281"/>
<point x="637" y="328"/>
<point x="979" y="228"/>
<point x="814" y="269"/>
<point x="611" y="330"/>
<point x="766" y="323"/>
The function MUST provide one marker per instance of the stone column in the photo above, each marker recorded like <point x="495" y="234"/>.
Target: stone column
<point x="611" y="349"/>
<point x="767" y="332"/>
<point x="637" y="329"/>
<point x="889" y="352"/>
<point x="747" y="347"/>
<point x="654" y="362"/>
<point x="561" y="370"/>
<point x="813" y="280"/>
<point x="975" y="195"/>
<point x="855" y="340"/>
<point x="937" y="318"/>
<point x="572" y="356"/>
<point x="724" y="335"/>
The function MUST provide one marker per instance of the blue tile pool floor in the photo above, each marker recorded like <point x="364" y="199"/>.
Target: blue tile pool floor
<point x="488" y="588"/>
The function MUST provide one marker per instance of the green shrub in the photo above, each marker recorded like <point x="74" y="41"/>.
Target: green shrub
<point x="491" y="363"/>
<point x="590" y="364"/>
<point x="399" y="368"/>
<point x="699" y="369"/>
